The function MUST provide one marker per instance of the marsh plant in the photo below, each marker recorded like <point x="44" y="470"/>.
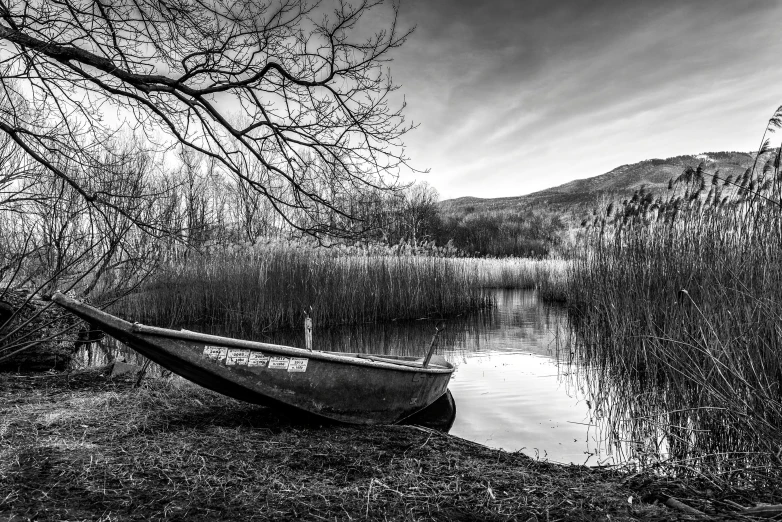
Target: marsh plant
<point x="676" y="301"/>
<point x="548" y="276"/>
<point x="269" y="285"/>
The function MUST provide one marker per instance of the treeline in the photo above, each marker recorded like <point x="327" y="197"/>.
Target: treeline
<point x="54" y="236"/>
<point x="714" y="156"/>
<point x="416" y="217"/>
<point x="519" y="234"/>
<point x="214" y="211"/>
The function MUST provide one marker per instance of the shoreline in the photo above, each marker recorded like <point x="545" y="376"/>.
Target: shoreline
<point x="82" y="446"/>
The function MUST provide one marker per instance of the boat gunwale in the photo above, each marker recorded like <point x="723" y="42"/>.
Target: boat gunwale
<point x="187" y="335"/>
<point x="137" y="330"/>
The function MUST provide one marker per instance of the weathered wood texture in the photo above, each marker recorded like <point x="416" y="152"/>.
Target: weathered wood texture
<point x="348" y="388"/>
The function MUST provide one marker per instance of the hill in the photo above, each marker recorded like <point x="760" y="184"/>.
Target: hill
<point x="573" y="200"/>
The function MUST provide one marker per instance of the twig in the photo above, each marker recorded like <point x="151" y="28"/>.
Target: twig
<point x="142" y="372"/>
<point x="369" y="492"/>
<point x="763" y="511"/>
<point x="681" y="506"/>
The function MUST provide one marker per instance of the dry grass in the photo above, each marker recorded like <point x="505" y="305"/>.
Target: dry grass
<point x="87" y="448"/>
<point x="268" y="286"/>
<point x="546" y="275"/>
<point x="677" y="306"/>
<point x="264" y="287"/>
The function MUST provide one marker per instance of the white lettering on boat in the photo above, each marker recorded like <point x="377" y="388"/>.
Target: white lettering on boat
<point x="214" y="352"/>
<point x="236" y="356"/>
<point x="257" y="359"/>
<point x="279" y="363"/>
<point x="298" y="365"/>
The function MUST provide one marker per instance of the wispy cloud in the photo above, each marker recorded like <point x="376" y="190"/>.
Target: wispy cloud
<point x="513" y="97"/>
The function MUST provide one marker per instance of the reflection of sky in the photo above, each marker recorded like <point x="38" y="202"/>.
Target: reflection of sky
<point x="507" y="389"/>
<point x="516" y="401"/>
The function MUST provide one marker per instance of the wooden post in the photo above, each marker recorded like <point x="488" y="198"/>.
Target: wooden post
<point x="439" y="328"/>
<point x="308" y="331"/>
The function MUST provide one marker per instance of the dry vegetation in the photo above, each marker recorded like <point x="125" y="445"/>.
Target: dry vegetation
<point x="252" y="288"/>
<point x="677" y="305"/>
<point x="85" y="447"/>
<point x="515" y="272"/>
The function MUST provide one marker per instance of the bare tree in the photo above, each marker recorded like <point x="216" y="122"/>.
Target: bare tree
<point x="304" y="79"/>
<point x="62" y="240"/>
<point x="420" y="211"/>
<point x="252" y="214"/>
<point x="123" y="257"/>
<point x="195" y="195"/>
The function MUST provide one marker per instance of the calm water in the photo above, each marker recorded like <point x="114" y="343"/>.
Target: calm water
<point x="510" y="390"/>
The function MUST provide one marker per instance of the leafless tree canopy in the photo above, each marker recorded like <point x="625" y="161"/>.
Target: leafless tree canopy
<point x="291" y="98"/>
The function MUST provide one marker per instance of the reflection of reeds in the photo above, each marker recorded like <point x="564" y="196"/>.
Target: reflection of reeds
<point x="517" y="314"/>
<point x="677" y="305"/>
<point x="109" y="350"/>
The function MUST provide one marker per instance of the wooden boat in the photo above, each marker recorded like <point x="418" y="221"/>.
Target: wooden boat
<point x="347" y="387"/>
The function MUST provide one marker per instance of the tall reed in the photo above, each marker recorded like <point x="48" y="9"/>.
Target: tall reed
<point x="676" y="302"/>
<point x="548" y="276"/>
<point x="270" y="285"/>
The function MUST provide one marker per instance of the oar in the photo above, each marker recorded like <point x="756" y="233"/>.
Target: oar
<point x="439" y="327"/>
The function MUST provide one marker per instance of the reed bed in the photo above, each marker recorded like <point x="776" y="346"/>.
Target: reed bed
<point x="676" y="304"/>
<point x="268" y="286"/>
<point x="271" y="285"/>
<point x="546" y="275"/>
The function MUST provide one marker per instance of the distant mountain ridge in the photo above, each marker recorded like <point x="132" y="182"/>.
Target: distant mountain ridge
<point x="574" y="199"/>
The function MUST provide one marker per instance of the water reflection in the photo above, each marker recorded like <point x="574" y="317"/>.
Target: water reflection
<point x="518" y="322"/>
<point x="652" y="424"/>
<point x="106" y="350"/>
<point x="508" y="388"/>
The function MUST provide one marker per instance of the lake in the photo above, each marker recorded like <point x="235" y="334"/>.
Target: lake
<point x="511" y="390"/>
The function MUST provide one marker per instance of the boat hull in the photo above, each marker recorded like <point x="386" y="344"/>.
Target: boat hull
<point x="350" y="388"/>
<point x="440" y="415"/>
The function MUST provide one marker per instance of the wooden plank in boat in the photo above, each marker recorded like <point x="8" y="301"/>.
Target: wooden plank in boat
<point x="412" y="364"/>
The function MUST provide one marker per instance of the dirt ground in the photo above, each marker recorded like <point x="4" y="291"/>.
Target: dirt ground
<point x="86" y="447"/>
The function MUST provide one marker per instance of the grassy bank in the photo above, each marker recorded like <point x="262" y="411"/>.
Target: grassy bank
<point x="268" y="286"/>
<point x="677" y="304"/>
<point x="88" y="448"/>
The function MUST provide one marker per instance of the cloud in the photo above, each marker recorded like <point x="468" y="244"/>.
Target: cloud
<point x="505" y="91"/>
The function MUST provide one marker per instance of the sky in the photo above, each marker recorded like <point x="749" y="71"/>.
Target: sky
<point x="515" y="96"/>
